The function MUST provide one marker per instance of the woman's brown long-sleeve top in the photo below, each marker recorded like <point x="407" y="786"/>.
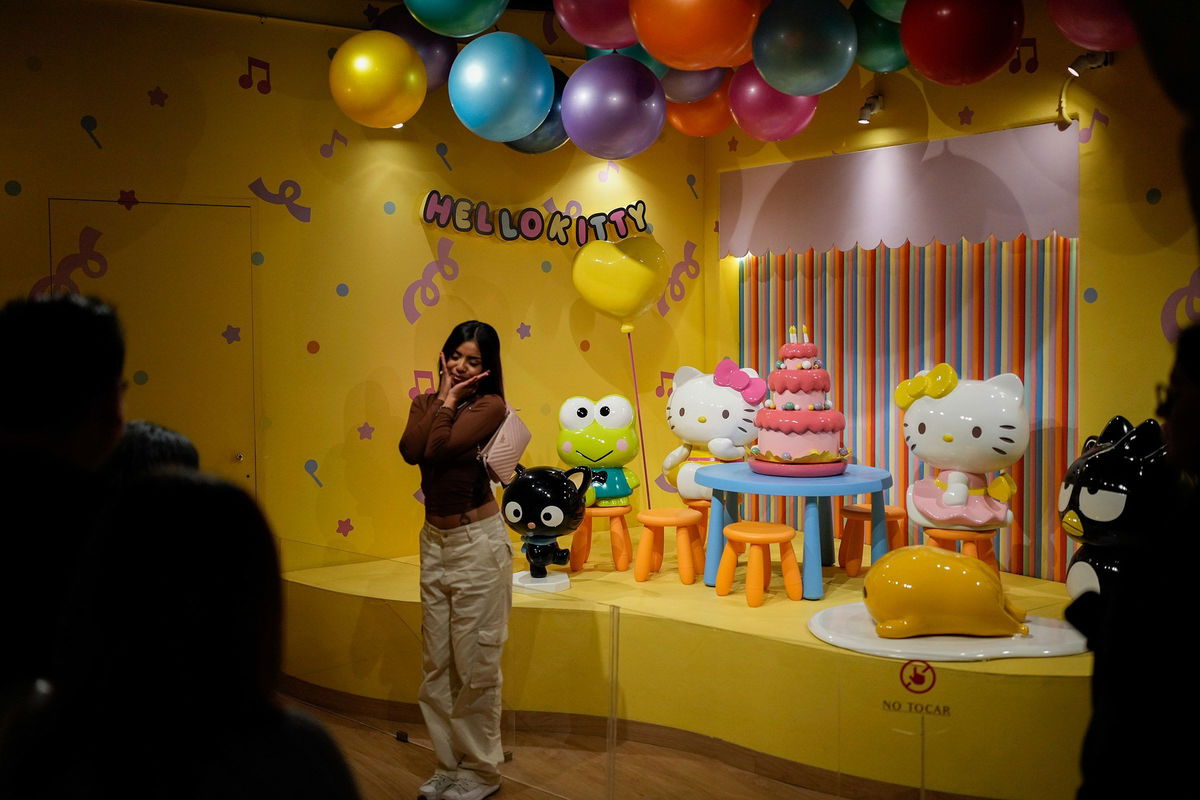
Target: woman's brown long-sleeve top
<point x="445" y="444"/>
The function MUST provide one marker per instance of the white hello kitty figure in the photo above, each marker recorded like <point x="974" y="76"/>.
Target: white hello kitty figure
<point x="964" y="429"/>
<point x="714" y="416"/>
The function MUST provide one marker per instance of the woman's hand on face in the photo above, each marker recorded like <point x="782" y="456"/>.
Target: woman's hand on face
<point x="445" y="380"/>
<point x="464" y="389"/>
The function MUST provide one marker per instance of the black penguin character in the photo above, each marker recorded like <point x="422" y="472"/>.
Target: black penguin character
<point x="542" y="504"/>
<point x="1106" y="497"/>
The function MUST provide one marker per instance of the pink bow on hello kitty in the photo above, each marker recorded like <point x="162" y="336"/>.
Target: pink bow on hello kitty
<point x="753" y="390"/>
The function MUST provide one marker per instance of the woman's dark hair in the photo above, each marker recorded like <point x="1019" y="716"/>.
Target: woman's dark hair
<point x="144" y="448"/>
<point x="180" y="596"/>
<point x="488" y="340"/>
<point x="1187" y="354"/>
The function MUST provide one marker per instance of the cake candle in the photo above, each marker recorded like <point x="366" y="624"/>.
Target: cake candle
<point x="792" y="334"/>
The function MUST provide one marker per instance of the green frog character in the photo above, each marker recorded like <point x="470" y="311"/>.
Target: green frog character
<point x="600" y="434"/>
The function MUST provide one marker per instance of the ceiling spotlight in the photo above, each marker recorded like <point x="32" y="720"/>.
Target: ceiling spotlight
<point x="1086" y="61"/>
<point x="873" y="105"/>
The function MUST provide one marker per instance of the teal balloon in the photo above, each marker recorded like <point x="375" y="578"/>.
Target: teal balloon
<point x="457" y="18"/>
<point x="634" y="51"/>
<point x="888" y="9"/>
<point x="501" y="87"/>
<point x="804" y="47"/>
<point x="879" y="48"/>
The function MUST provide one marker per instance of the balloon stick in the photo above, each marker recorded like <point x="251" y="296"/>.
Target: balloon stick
<point x="637" y="399"/>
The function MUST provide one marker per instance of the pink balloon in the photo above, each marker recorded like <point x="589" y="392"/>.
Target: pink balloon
<point x="1094" y="24"/>
<point x="766" y="113"/>
<point x="603" y="24"/>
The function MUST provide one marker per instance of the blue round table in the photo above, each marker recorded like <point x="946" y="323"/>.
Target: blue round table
<point x="730" y="480"/>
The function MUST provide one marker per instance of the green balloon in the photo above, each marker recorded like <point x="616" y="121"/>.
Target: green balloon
<point x="879" y="48"/>
<point x="888" y="9"/>
<point x="634" y="51"/>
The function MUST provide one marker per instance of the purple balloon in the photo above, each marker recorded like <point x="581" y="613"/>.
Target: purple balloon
<point x="766" y="113"/>
<point x="685" y="86"/>
<point x="435" y="50"/>
<point x="603" y="24"/>
<point x="613" y="107"/>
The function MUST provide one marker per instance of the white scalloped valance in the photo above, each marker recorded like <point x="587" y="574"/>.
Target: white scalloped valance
<point x="1005" y="183"/>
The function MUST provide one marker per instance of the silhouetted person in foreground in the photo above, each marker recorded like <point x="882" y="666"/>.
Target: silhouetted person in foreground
<point x="145" y="447"/>
<point x="169" y="661"/>
<point x="60" y="416"/>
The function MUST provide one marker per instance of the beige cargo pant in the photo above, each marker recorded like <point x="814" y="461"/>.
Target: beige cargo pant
<point x="466" y="593"/>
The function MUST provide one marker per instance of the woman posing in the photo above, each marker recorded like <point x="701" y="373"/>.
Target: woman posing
<point x="466" y="565"/>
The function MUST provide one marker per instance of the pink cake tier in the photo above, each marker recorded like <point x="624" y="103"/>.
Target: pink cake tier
<point x="799" y="426"/>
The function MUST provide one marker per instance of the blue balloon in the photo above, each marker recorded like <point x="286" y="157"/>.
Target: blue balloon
<point x="804" y="47"/>
<point x="551" y="134"/>
<point x="457" y="18"/>
<point x="634" y="51"/>
<point x="501" y="87"/>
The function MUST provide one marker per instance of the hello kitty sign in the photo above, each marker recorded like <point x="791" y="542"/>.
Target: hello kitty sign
<point x="714" y="416"/>
<point x="965" y="429"/>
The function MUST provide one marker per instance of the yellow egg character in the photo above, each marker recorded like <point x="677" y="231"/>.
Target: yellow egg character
<point x="922" y="591"/>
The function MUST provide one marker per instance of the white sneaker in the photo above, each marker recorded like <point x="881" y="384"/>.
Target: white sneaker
<point x="468" y="787"/>
<point x="435" y="788"/>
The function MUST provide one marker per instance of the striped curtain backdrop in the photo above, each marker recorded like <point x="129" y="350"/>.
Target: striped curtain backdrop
<point x="878" y="316"/>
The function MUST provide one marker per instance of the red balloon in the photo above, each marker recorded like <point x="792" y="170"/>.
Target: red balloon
<point x="602" y="24"/>
<point x="695" y="34"/>
<point x="704" y="117"/>
<point x="1094" y="24"/>
<point x="957" y="42"/>
<point x="763" y="111"/>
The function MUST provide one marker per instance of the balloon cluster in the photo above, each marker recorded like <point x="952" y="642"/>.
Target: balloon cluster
<point x="697" y="64"/>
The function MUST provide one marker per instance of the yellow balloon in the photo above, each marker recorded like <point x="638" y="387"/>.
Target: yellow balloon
<point x="621" y="278"/>
<point x="377" y="79"/>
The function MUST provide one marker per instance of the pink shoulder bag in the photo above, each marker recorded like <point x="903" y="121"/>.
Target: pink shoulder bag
<point x="502" y="452"/>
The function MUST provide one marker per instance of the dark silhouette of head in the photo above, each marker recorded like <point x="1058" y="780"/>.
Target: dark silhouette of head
<point x="1179" y="405"/>
<point x="488" y="340"/>
<point x="61" y="361"/>
<point x="145" y="447"/>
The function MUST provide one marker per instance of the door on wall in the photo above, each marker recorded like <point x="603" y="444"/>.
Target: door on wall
<point x="179" y="276"/>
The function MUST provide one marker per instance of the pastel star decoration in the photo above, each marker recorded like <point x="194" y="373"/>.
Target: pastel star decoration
<point x="524" y="331"/>
<point x="733" y="143"/>
<point x="157" y="96"/>
<point x="344" y="527"/>
<point x="232" y="334"/>
<point x="365" y="430"/>
<point x="964" y="116"/>
<point x="370" y="12"/>
<point x="128" y="199"/>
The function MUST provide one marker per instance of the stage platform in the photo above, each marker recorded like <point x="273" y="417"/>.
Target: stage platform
<point x="678" y="665"/>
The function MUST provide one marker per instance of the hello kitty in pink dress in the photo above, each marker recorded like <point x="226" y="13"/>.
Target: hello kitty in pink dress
<point x="965" y="429"/>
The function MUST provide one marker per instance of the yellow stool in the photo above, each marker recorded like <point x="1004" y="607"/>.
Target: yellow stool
<point x="857" y="520"/>
<point x="702" y="506"/>
<point x="688" y="549"/>
<point x="977" y="544"/>
<point x="618" y="535"/>
<point x="759" y="536"/>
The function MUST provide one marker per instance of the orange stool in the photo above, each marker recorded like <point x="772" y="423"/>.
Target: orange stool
<point x="618" y="534"/>
<point x="759" y="536"/>
<point x="857" y="520"/>
<point x="702" y="506"/>
<point x="688" y="549"/>
<point x="977" y="544"/>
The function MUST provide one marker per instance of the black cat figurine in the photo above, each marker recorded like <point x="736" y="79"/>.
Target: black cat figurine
<point x="541" y="504"/>
<point x="1107" y="496"/>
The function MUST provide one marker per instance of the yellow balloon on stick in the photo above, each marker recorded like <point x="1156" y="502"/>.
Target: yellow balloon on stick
<point x="621" y="278"/>
<point x="377" y="79"/>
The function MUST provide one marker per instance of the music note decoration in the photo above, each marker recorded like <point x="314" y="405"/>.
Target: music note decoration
<point x="1031" y="65"/>
<point x="1085" y="134"/>
<point x="1182" y="308"/>
<point x="327" y="149"/>
<point x="418" y="376"/>
<point x="612" y="166"/>
<point x="61" y="279"/>
<point x="662" y="389"/>
<point x="247" y="80"/>
<point x="690" y="267"/>
<point x="89" y="125"/>
<point x="443" y="265"/>
<point x="288" y="194"/>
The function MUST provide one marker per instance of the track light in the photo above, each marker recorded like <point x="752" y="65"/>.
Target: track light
<point x="1090" y="60"/>
<point x="870" y="108"/>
